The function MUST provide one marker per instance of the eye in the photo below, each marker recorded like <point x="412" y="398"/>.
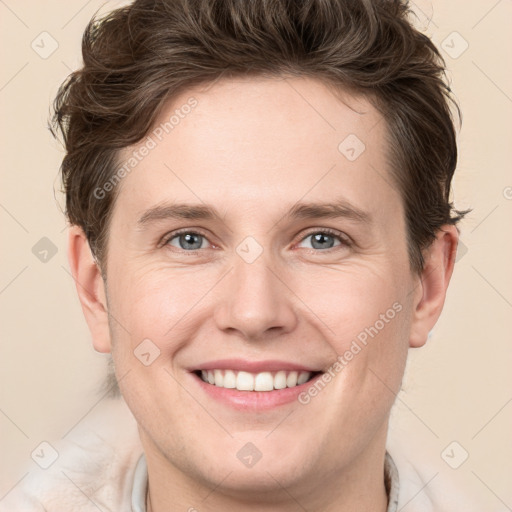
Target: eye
<point x="186" y="240"/>
<point x="325" y="239"/>
<point x="321" y="239"/>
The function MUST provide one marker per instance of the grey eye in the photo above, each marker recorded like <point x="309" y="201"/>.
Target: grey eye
<point x="187" y="241"/>
<point x="321" y="240"/>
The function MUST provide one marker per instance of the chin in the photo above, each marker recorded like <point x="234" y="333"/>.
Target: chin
<point x="260" y="482"/>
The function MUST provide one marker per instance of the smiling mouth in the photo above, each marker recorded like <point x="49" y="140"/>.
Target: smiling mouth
<point x="263" y="381"/>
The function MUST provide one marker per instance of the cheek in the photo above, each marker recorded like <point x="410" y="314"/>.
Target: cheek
<point x="374" y="348"/>
<point x="354" y="303"/>
<point x="368" y="315"/>
<point x="147" y="324"/>
<point x="152" y="301"/>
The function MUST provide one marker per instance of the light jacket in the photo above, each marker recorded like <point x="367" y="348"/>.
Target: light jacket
<point x="101" y="466"/>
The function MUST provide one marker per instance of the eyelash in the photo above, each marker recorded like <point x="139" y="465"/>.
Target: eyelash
<point x="344" y="240"/>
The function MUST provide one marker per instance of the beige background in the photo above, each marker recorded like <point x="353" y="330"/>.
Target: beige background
<point x="457" y="388"/>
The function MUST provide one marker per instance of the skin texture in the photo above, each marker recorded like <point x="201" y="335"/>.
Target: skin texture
<point x="253" y="148"/>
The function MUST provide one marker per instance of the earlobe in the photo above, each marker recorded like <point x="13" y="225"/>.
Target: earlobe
<point x="90" y="288"/>
<point x="434" y="280"/>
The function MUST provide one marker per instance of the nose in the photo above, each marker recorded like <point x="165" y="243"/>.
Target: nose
<point x="256" y="302"/>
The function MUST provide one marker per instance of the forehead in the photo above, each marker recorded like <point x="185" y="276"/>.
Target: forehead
<point x="254" y="141"/>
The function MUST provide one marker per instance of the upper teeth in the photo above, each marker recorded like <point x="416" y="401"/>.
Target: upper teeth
<point x="264" y="381"/>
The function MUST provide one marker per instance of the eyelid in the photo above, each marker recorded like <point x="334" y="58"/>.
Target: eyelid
<point x="169" y="236"/>
<point x="343" y="237"/>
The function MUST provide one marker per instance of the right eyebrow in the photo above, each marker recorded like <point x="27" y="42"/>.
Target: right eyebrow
<point x="177" y="211"/>
<point x="333" y="210"/>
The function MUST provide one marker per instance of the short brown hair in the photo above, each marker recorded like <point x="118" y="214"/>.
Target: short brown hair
<point x="138" y="57"/>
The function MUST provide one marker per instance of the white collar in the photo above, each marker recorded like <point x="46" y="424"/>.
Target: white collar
<point x="140" y="484"/>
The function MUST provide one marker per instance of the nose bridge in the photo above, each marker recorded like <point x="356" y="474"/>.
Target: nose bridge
<point x="255" y="300"/>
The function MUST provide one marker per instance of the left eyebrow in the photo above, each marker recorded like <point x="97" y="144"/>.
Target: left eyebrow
<point x="177" y="211"/>
<point x="338" y="209"/>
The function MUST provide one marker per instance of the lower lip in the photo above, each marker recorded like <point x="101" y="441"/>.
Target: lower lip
<point x="254" y="400"/>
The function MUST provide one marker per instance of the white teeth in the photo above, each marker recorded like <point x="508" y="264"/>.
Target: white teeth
<point x="280" y="380"/>
<point x="263" y="381"/>
<point x="244" y="381"/>
<point x="303" y="377"/>
<point x="291" y="380"/>
<point x="229" y="379"/>
<point x="219" y="378"/>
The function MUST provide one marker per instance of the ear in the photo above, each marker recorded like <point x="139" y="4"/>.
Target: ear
<point x="90" y="287"/>
<point x="429" y="297"/>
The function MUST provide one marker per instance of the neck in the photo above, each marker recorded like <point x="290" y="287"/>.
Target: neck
<point x="358" y="487"/>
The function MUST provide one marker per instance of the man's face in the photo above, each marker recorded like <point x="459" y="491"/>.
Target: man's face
<point x="265" y="285"/>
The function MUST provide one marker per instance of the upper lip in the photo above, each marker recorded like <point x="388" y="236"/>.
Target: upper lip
<point x="269" y="365"/>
